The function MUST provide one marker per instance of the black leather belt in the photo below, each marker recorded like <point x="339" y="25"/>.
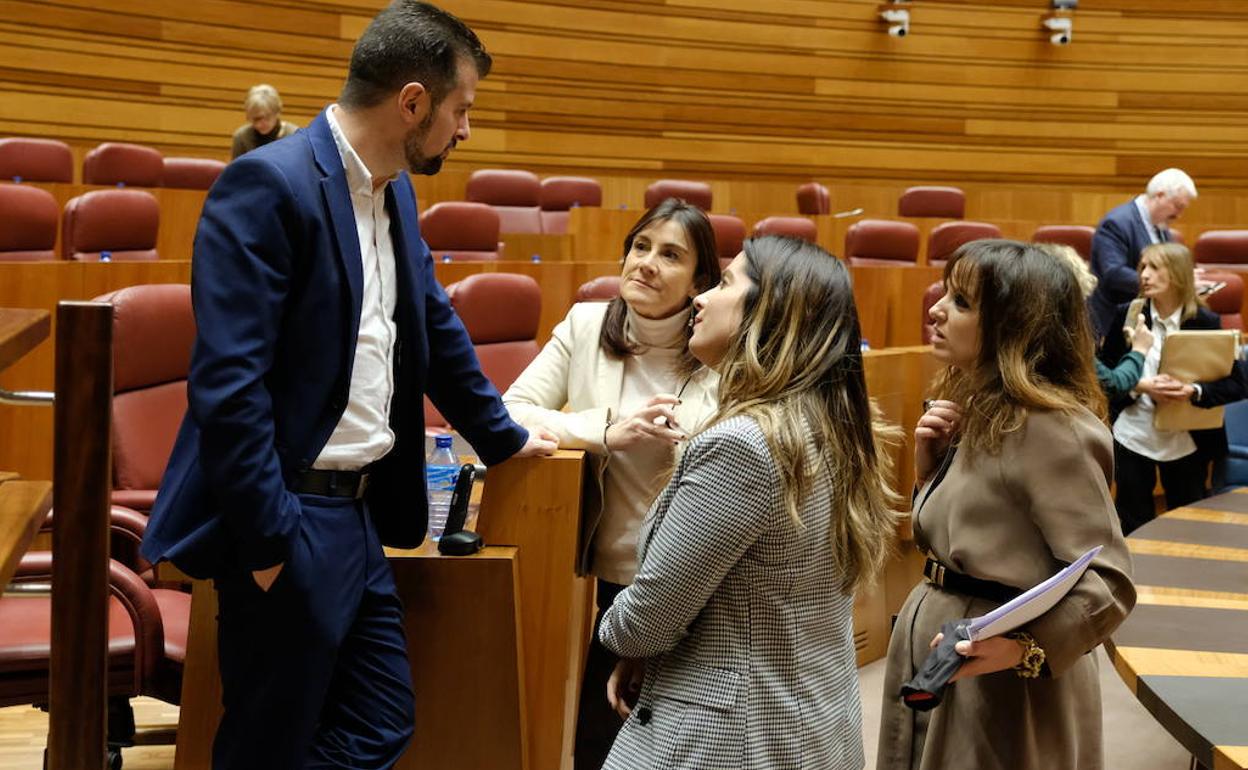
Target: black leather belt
<point x="331" y="483"/>
<point x="939" y="574"/>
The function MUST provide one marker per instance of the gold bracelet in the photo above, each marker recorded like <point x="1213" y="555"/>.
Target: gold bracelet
<point x="1032" y="663"/>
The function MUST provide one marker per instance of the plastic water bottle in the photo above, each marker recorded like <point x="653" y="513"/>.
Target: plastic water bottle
<point x="864" y="345"/>
<point x="446" y="258"/>
<point x="536" y="258"/>
<point x="441" y="468"/>
<point x="106" y="256"/>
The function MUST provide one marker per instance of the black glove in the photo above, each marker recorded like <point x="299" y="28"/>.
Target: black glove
<point x="925" y="691"/>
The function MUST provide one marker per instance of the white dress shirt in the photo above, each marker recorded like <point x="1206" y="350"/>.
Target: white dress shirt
<point x="363" y="434"/>
<point x="1134" y="426"/>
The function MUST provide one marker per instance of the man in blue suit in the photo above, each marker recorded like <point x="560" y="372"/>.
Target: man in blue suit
<point x="1123" y="234"/>
<point x="320" y="329"/>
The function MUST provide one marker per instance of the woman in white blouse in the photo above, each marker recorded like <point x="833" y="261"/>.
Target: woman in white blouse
<point x="618" y="381"/>
<point x="1141" y="451"/>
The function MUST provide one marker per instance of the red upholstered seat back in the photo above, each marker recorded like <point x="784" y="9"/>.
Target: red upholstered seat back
<point x="36" y="160"/>
<point x="948" y="237"/>
<point x="694" y="193"/>
<point x="1078" y="237"/>
<point x="559" y="194"/>
<point x="513" y="194"/>
<point x="1228" y="301"/>
<point x="794" y="227"/>
<point x="191" y="173"/>
<point x="501" y="312"/>
<point x="813" y="199"/>
<point x="27" y="223"/>
<point x="465" y="230"/>
<point x="881" y="242"/>
<point x="153" y="333"/>
<point x="601" y="289"/>
<point x="931" y="295"/>
<point x="123" y="222"/>
<point x="120" y="163"/>
<point x="729" y="235"/>
<point x="943" y="202"/>
<point x="1221" y="247"/>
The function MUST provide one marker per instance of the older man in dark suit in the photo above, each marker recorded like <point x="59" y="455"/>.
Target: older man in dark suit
<point x="320" y="328"/>
<point x="1123" y="234"/>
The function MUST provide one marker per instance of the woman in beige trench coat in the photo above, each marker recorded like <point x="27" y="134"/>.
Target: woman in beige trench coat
<point x="1013" y="463"/>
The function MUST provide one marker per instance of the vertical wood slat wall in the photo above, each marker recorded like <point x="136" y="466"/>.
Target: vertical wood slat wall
<point x="753" y="96"/>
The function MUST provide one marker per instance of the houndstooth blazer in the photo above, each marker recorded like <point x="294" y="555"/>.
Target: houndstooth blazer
<point x="748" y="639"/>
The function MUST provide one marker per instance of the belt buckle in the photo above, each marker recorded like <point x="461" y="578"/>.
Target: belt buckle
<point x="934" y="571"/>
<point x="361" y="486"/>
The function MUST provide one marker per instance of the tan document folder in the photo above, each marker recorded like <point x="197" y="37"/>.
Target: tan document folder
<point x="1195" y="356"/>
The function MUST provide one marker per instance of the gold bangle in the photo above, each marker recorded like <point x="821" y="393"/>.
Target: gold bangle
<point x="1032" y="664"/>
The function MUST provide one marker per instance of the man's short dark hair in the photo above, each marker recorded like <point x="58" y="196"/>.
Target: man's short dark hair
<point x="409" y="42"/>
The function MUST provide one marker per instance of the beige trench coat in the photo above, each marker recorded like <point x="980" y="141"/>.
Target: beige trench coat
<point x="1015" y="518"/>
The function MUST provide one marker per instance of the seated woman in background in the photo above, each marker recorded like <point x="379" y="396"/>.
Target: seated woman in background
<point x="1012" y="466"/>
<point x="1168" y="288"/>
<point x="263" y="107"/>
<point x="632" y="391"/>
<point x="740" y="615"/>
<point x="1119" y="380"/>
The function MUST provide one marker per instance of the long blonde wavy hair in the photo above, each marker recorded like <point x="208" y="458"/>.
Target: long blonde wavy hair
<point x="796" y="368"/>
<point x="1036" y="341"/>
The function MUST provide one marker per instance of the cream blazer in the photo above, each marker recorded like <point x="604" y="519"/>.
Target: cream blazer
<point x="573" y="372"/>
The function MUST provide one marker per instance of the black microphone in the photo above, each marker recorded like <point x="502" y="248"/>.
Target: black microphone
<point x="456" y="541"/>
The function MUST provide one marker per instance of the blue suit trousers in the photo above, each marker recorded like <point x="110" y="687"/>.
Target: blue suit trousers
<point x="315" y="671"/>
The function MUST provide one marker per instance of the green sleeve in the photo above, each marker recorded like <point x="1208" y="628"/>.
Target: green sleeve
<point x="1118" y="381"/>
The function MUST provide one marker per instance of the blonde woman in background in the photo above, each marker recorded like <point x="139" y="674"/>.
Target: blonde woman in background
<point x="738" y="626"/>
<point x="263" y="107"/>
<point x="1119" y="380"/>
<point x="1142" y="452"/>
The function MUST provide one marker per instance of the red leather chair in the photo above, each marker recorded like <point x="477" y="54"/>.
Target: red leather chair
<point x="191" y="173"/>
<point x="118" y="163"/>
<point x="147" y="632"/>
<point x="881" y="242"/>
<point x="1078" y="237"/>
<point x="122" y="222"/>
<point x="931" y="295"/>
<point x="1227" y="302"/>
<point x="36" y="160"/>
<point x="729" y="236"/>
<point x="515" y="195"/>
<point x="948" y="237"/>
<point x="813" y="199"/>
<point x="943" y="202"/>
<point x="501" y="312"/>
<point x="601" y="289"/>
<point x="1222" y="249"/>
<point x="794" y="227"/>
<point x="694" y="193"/>
<point x="27" y="224"/>
<point x="465" y="231"/>
<point x="153" y="333"/>
<point x="559" y="194"/>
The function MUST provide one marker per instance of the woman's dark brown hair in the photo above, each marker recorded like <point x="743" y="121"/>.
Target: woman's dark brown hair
<point x="697" y="227"/>
<point x="1036" y="345"/>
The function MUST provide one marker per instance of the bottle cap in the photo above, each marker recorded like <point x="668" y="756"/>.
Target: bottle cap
<point x="106" y="256"/>
<point x="443" y="442"/>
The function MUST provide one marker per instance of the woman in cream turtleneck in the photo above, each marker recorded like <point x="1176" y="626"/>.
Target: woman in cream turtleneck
<point x="618" y="381"/>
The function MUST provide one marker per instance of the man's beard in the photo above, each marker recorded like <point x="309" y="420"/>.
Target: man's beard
<point x="417" y="161"/>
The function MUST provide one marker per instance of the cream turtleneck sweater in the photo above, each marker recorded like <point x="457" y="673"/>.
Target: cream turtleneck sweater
<point x="634" y="476"/>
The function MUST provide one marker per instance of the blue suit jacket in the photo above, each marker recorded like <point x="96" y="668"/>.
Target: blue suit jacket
<point x="276" y="286"/>
<point x="1116" y="247"/>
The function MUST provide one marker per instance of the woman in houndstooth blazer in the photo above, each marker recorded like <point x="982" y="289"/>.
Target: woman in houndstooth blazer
<point x="737" y="631"/>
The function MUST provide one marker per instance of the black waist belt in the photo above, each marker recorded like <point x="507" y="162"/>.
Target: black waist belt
<point x="331" y="483"/>
<point x="937" y="573"/>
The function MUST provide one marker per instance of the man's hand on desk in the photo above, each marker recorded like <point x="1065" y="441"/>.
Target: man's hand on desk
<point x="541" y="443"/>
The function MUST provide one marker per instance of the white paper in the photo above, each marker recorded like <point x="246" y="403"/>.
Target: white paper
<point x="1032" y="604"/>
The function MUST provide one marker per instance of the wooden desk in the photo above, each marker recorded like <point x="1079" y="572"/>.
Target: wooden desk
<point x="1184" y="649"/>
